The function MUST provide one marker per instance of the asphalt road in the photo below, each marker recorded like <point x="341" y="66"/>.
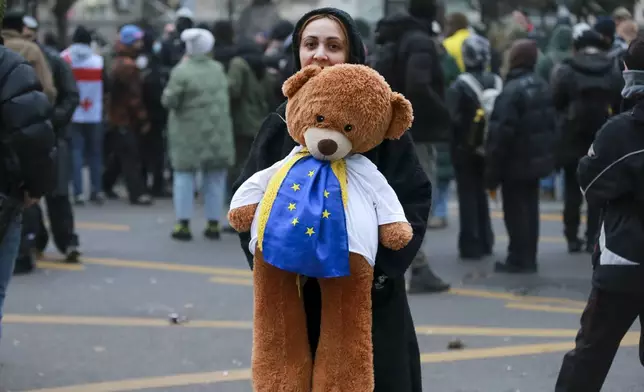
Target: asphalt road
<point x="103" y="326"/>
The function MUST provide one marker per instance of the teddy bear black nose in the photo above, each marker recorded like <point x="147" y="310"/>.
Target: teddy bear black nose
<point x="327" y="146"/>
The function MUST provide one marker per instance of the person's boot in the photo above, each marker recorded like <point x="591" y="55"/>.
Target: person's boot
<point x="182" y="231"/>
<point x="423" y="280"/>
<point x="575" y="245"/>
<point x="24" y="264"/>
<point x="212" y="232"/>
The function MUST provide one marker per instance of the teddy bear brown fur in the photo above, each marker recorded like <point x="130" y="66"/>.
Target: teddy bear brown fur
<point x="354" y="100"/>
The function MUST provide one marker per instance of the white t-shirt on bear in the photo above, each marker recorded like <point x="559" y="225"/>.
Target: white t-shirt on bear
<point x="371" y="202"/>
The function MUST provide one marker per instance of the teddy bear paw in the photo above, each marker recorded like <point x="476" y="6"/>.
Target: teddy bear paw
<point x="395" y="235"/>
<point x="241" y="218"/>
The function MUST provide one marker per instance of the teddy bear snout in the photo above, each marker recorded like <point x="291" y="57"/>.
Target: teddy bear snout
<point x="327" y="146"/>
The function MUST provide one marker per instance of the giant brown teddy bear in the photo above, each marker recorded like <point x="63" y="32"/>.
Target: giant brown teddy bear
<point x="320" y="213"/>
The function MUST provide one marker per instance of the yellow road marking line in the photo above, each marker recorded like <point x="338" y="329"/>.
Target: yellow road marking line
<point x="119" y="321"/>
<point x="512" y="297"/>
<point x="495" y="332"/>
<point x="99" y="226"/>
<point x="233" y="281"/>
<point x="542" y="239"/>
<point x="57" y="265"/>
<point x="195" y="269"/>
<point x="544" y="308"/>
<point x="245" y="374"/>
<point x="549" y="217"/>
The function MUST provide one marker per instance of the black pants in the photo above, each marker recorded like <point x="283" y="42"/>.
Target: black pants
<point x="153" y="159"/>
<point x="475" y="238"/>
<point x="605" y="321"/>
<point x="521" y="216"/>
<point x="124" y="158"/>
<point x="61" y="221"/>
<point x="572" y="206"/>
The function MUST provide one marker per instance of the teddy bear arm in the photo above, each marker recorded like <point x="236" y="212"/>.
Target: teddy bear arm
<point x="395" y="235"/>
<point x="241" y="218"/>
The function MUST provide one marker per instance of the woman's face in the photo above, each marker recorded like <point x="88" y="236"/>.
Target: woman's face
<point x="323" y="44"/>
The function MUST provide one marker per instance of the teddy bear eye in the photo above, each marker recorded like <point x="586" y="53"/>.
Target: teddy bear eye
<point x="319" y="118"/>
<point x="348" y="128"/>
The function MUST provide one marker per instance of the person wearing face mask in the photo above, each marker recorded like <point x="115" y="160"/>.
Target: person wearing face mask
<point x="326" y="37"/>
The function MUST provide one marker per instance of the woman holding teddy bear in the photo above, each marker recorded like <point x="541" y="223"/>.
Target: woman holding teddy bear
<point x="326" y="37"/>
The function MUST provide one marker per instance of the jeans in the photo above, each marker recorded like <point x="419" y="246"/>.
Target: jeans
<point x="214" y="193"/>
<point x="87" y="142"/>
<point x="440" y="196"/>
<point x="9" y="247"/>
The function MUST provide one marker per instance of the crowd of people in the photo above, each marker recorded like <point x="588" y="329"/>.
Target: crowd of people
<point x="202" y="104"/>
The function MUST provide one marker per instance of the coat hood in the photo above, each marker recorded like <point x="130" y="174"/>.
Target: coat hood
<point x="80" y="52"/>
<point x="357" y="53"/>
<point x="591" y="63"/>
<point x="561" y="39"/>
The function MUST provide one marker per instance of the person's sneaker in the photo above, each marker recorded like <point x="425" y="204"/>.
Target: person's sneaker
<point x="437" y="223"/>
<point x="212" y="231"/>
<point x="575" y="245"/>
<point x="97" y="198"/>
<point x="72" y="254"/>
<point x="143" y="200"/>
<point x="79" y="201"/>
<point x="181" y="232"/>
<point x="423" y="280"/>
<point x="507" y="268"/>
<point x="111" y="195"/>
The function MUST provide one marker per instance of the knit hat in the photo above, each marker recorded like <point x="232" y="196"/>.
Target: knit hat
<point x="198" y="41"/>
<point x="523" y="54"/>
<point x="82" y="36"/>
<point x="30" y="22"/>
<point x="129" y="34"/>
<point x="585" y="37"/>
<point x="422" y="9"/>
<point x="476" y="52"/>
<point x="12" y="20"/>
<point x="606" y="27"/>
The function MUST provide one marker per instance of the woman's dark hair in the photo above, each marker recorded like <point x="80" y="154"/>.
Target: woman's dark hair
<point x="634" y="56"/>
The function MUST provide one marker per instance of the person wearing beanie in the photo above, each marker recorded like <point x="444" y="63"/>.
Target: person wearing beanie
<point x="29" y="172"/>
<point x="586" y="91"/>
<point x="519" y="152"/>
<point x="409" y="60"/>
<point x="12" y="30"/>
<point x="59" y="208"/>
<point x="476" y="238"/>
<point x="610" y="175"/>
<point x="200" y="133"/>
<point x="128" y="114"/>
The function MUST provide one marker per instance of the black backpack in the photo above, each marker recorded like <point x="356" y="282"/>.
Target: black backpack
<point x="591" y="106"/>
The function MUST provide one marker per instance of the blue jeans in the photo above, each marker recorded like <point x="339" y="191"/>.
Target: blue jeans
<point x="9" y="248"/>
<point x="87" y="143"/>
<point x="214" y="193"/>
<point x="441" y="196"/>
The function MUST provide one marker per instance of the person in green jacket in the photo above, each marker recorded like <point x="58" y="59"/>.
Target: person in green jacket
<point x="200" y="132"/>
<point x="559" y="48"/>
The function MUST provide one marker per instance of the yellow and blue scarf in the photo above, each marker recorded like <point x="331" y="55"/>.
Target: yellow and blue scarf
<point x="302" y="225"/>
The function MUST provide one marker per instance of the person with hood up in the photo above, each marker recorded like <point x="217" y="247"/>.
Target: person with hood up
<point x="611" y="175"/>
<point x="586" y="90"/>
<point x="519" y="151"/>
<point x="559" y="49"/>
<point x="200" y="134"/>
<point x="328" y="36"/>
<point x="127" y="113"/>
<point x="409" y="61"/>
<point x="475" y="239"/>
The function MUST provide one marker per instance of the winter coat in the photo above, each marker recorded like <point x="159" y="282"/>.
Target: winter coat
<point x="413" y="68"/>
<point x="571" y="76"/>
<point x="125" y="106"/>
<point x="34" y="56"/>
<point x="67" y="98"/>
<point x="29" y="138"/>
<point x="454" y="45"/>
<point x="444" y="167"/>
<point x="522" y="131"/>
<point x="200" y="134"/>
<point x="559" y="49"/>
<point x="611" y="177"/>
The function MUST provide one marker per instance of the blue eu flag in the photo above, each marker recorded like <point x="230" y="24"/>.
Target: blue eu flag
<point x="306" y="231"/>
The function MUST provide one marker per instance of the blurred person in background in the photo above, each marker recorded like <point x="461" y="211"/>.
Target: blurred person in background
<point x="200" y="133"/>
<point x="256" y="21"/>
<point x="173" y="48"/>
<point x="59" y="208"/>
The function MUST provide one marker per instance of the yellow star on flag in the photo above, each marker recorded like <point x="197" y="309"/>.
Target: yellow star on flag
<point x="295" y="221"/>
<point x="311" y="173"/>
<point x="309" y="231"/>
<point x="326" y="214"/>
<point x="296" y="187"/>
<point x="326" y="194"/>
<point x="291" y="206"/>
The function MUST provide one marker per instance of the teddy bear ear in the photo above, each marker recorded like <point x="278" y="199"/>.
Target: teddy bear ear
<point x="402" y="116"/>
<point x="299" y="79"/>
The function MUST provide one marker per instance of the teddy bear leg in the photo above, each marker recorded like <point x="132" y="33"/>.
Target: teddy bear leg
<point x="281" y="359"/>
<point x="344" y="358"/>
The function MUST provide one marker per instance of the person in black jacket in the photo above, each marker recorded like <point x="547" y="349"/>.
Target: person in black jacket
<point x="27" y="154"/>
<point x="396" y="354"/>
<point x="519" y="151"/>
<point x="586" y="89"/>
<point x="611" y="176"/>
<point x="409" y="60"/>
<point x="59" y="208"/>
<point x="475" y="239"/>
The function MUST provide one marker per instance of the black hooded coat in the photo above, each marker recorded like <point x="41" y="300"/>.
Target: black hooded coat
<point x="396" y="353"/>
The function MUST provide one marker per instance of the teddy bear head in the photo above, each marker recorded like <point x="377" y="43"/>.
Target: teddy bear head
<point x="343" y="109"/>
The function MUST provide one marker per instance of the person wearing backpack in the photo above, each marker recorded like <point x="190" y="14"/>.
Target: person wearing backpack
<point x="586" y="92"/>
<point x="519" y="152"/>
